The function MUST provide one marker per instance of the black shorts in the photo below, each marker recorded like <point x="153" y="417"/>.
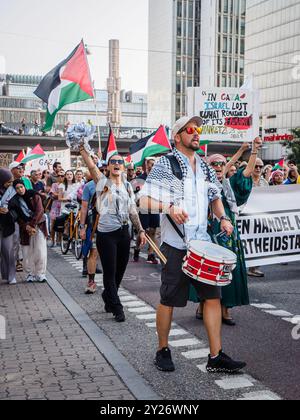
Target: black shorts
<point x="150" y="221"/>
<point x="175" y="287"/>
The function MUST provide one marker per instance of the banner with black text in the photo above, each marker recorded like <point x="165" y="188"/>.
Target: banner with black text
<point x="270" y="226"/>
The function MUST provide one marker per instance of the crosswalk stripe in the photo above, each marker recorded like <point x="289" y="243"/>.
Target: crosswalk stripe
<point x="142" y="310"/>
<point x="234" y="383"/>
<point x="185" y="343"/>
<point x="197" y="354"/>
<point x="146" y="317"/>
<point x="281" y="314"/>
<point x="260" y="396"/>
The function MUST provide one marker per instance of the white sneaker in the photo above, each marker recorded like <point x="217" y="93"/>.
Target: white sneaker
<point x="30" y="279"/>
<point x="41" y="279"/>
<point x="14" y="281"/>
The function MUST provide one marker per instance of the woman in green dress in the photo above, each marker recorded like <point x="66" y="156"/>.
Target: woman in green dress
<point x="235" y="193"/>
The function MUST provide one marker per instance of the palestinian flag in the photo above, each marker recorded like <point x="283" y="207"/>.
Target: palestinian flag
<point x="67" y="83"/>
<point x="20" y="157"/>
<point x="111" y="147"/>
<point x="36" y="153"/>
<point x="203" y="148"/>
<point x="128" y="160"/>
<point x="155" y="144"/>
<point x="279" y="165"/>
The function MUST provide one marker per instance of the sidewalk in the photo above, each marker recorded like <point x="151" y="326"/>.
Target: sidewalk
<point x="46" y="354"/>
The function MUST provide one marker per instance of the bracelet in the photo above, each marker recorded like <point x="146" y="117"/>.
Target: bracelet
<point x="81" y="226"/>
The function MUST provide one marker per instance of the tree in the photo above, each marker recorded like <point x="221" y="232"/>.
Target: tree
<point x="294" y="147"/>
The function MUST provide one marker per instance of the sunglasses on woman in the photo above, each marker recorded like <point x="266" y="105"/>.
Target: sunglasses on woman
<point x="192" y="130"/>
<point x="116" y="162"/>
<point x="218" y="164"/>
<point x="259" y="167"/>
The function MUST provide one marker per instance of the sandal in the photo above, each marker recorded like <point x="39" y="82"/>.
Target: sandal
<point x="19" y="267"/>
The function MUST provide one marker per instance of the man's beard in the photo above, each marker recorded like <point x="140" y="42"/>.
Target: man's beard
<point x="195" y="147"/>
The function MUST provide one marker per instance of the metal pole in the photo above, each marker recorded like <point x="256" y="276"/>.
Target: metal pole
<point x="142" y="112"/>
<point x="97" y="119"/>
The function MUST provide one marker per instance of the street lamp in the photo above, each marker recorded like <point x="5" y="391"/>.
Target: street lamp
<point x="142" y="112"/>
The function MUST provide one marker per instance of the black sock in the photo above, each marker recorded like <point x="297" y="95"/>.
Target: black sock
<point x="92" y="278"/>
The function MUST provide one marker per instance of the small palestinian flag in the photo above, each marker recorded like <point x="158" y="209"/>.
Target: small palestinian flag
<point x="279" y="165"/>
<point x="111" y="147"/>
<point x="36" y="153"/>
<point x="20" y="157"/>
<point x="203" y="148"/>
<point x="67" y="83"/>
<point x="155" y="144"/>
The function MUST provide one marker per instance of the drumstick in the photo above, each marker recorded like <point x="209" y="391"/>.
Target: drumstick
<point x="156" y="249"/>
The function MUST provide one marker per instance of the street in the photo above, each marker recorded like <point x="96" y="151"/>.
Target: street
<point x="261" y="338"/>
<point x="106" y="360"/>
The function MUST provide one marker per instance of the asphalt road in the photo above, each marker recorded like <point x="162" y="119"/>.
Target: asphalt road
<point x="263" y="340"/>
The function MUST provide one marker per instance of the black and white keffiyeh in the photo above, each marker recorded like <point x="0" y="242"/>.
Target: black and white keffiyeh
<point x="164" y="186"/>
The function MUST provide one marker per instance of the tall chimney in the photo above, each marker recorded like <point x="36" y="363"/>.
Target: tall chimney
<point x="114" y="85"/>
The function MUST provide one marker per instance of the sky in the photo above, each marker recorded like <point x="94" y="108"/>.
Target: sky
<point x="35" y="35"/>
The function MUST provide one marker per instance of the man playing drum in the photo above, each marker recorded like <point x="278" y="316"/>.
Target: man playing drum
<point x="182" y="188"/>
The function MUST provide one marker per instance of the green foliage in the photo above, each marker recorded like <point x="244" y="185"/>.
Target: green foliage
<point x="294" y="147"/>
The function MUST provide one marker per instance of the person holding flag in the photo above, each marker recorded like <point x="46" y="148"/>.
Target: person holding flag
<point x="116" y="207"/>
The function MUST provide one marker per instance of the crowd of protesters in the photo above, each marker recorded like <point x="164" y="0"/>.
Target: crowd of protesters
<point x="31" y="205"/>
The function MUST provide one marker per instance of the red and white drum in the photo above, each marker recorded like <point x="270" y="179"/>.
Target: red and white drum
<point x="209" y="263"/>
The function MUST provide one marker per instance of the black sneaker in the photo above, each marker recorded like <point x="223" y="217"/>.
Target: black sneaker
<point x="224" y="364"/>
<point x="136" y="256"/>
<point x="163" y="360"/>
<point x="120" y="317"/>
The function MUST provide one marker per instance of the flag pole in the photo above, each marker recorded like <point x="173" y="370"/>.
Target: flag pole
<point x="87" y="52"/>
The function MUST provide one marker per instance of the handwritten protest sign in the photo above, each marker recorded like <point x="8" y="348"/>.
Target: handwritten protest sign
<point x="46" y="162"/>
<point x="270" y="226"/>
<point x="228" y="114"/>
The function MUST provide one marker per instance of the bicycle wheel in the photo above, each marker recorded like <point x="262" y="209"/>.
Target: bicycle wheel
<point x="65" y="245"/>
<point x="77" y="245"/>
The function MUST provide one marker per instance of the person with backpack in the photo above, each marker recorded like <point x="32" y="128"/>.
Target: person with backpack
<point x="116" y="207"/>
<point x="182" y="187"/>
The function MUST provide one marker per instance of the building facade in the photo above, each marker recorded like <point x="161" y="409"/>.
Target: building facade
<point x="192" y="43"/>
<point x="273" y="58"/>
<point x="19" y="106"/>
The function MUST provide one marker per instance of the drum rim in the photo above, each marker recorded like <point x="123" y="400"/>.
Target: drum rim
<point x="214" y="259"/>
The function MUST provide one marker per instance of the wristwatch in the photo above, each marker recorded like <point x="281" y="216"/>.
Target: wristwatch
<point x="81" y="227"/>
<point x="225" y="218"/>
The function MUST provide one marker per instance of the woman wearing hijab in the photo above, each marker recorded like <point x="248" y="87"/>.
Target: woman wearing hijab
<point x="235" y="193"/>
<point x="33" y="231"/>
<point x="7" y="228"/>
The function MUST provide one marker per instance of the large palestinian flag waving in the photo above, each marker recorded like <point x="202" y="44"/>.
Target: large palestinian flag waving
<point x="155" y="144"/>
<point x="67" y="83"/>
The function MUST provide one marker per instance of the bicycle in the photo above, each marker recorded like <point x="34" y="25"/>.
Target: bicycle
<point x="73" y="236"/>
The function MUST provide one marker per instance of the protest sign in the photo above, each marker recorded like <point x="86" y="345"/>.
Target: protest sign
<point x="228" y="114"/>
<point x="270" y="226"/>
<point x="47" y="161"/>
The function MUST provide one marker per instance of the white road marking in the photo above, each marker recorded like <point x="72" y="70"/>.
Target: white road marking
<point x="263" y="306"/>
<point x="196" y="354"/>
<point x="134" y="304"/>
<point x="128" y="298"/>
<point x="185" y="343"/>
<point x="177" y="333"/>
<point x="295" y="320"/>
<point x="142" y="310"/>
<point x="237" y="382"/>
<point x="147" y="317"/>
<point x="202" y="368"/>
<point x="260" y="396"/>
<point x="281" y="314"/>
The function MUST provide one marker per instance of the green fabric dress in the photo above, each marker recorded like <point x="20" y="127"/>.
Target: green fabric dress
<point x="236" y="294"/>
